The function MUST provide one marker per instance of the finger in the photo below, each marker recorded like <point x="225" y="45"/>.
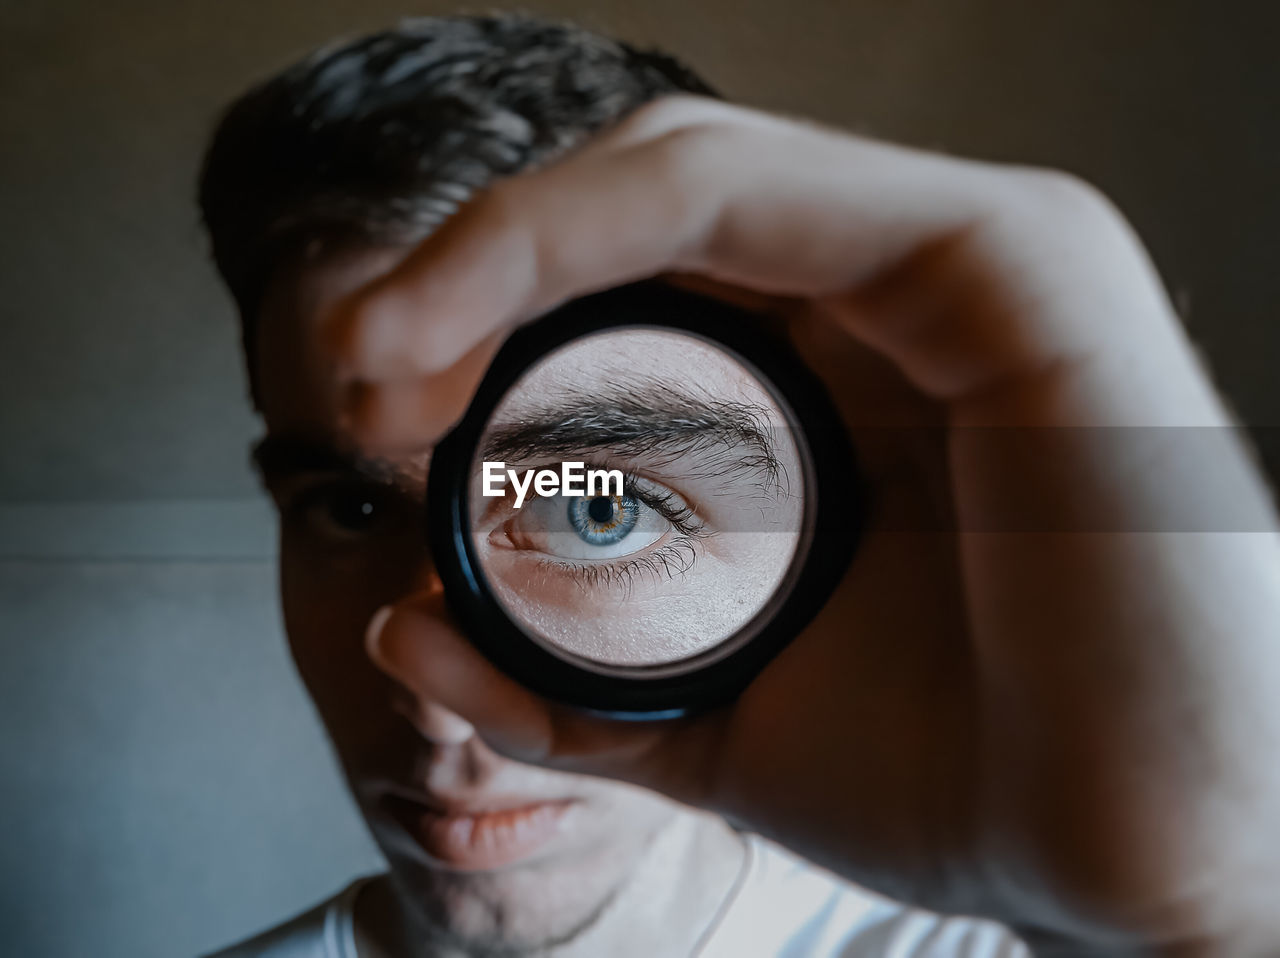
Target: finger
<point x="412" y="643"/>
<point x="678" y="113"/>
<point x="415" y="644"/>
<point x="491" y="265"/>
<point x="741" y="296"/>
<point x="727" y="199"/>
<point x="399" y="415"/>
<point x="770" y="205"/>
<point x="393" y="417"/>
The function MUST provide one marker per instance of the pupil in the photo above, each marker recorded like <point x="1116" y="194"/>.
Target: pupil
<point x="352" y="512"/>
<point x="601" y="509"/>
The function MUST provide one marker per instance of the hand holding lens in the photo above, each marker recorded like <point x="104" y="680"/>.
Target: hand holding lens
<point x="649" y="496"/>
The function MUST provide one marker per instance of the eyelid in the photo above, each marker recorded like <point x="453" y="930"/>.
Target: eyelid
<point x="286" y="490"/>
<point x="289" y="492"/>
<point x="674" y="554"/>
<point x="668" y="503"/>
<point x="658" y="496"/>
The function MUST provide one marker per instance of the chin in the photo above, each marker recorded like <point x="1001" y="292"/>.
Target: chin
<point x="527" y="906"/>
<point x="549" y="893"/>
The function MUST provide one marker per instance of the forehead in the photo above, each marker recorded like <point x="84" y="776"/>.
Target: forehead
<point x="293" y="370"/>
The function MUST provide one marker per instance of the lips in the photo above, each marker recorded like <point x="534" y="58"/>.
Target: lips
<point x="479" y="840"/>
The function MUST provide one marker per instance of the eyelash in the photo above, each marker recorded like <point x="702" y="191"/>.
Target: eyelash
<point x="674" y="558"/>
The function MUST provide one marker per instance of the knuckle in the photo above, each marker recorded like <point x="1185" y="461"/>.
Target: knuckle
<point x="684" y="147"/>
<point x="691" y="164"/>
<point x="700" y="150"/>
<point x="669" y="113"/>
<point x="1069" y="199"/>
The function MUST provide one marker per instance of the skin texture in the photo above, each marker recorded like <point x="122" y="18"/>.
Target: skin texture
<point x="671" y="590"/>
<point x="1066" y="725"/>
<point x="624" y="872"/>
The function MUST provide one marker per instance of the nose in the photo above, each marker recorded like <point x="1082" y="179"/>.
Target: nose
<point x="433" y="721"/>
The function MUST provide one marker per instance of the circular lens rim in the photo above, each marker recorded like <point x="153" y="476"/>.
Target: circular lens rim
<point x="748" y="629"/>
<point x="834" y="510"/>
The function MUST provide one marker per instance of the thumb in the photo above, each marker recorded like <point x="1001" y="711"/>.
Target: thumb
<point x="416" y="643"/>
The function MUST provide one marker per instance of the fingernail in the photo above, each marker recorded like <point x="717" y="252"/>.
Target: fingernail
<point x="379" y="621"/>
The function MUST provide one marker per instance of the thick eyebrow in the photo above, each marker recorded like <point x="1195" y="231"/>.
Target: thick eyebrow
<point x="278" y="457"/>
<point x="653" y="418"/>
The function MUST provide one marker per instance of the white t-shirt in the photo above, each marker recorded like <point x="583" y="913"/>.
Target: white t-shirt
<point x="784" y="908"/>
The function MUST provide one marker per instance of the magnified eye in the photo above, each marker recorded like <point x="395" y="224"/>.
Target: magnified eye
<point x="603" y="520"/>
<point x="586" y="527"/>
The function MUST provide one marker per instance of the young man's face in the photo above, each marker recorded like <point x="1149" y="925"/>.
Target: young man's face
<point x="483" y="846"/>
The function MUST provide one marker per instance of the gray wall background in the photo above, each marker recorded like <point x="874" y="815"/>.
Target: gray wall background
<point x="163" y="784"/>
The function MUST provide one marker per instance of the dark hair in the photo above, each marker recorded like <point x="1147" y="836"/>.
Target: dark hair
<point x="380" y="139"/>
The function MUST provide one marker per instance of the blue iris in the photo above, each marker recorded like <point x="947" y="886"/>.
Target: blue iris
<point x="603" y="520"/>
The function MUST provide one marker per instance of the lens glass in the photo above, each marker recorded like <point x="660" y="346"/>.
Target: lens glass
<point x="638" y="501"/>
